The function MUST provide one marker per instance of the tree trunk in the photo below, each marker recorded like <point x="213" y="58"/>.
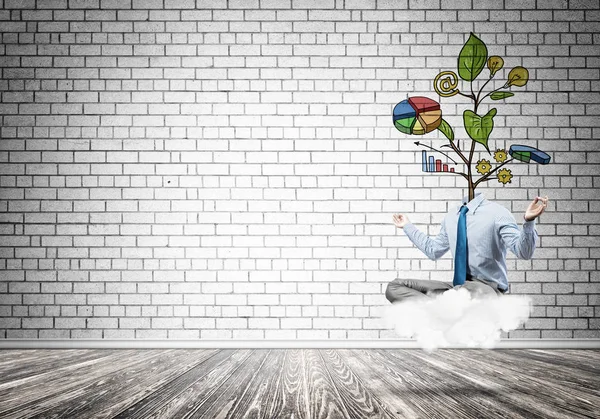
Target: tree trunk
<point x="471" y="190"/>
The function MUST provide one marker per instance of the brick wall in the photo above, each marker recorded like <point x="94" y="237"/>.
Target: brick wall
<point x="228" y="169"/>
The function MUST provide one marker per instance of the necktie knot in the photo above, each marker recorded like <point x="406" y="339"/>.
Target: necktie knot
<point x="464" y="209"/>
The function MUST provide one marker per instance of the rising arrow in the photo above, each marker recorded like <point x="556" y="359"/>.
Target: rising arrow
<point x="418" y="143"/>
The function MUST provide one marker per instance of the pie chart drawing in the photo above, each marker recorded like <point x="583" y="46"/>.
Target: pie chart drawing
<point x="417" y="115"/>
<point x="526" y="154"/>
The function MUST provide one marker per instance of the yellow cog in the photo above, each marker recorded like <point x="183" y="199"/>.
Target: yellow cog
<point x="483" y="166"/>
<point x="500" y="155"/>
<point x="504" y="176"/>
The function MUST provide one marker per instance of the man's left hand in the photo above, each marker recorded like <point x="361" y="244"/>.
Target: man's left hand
<point x="536" y="208"/>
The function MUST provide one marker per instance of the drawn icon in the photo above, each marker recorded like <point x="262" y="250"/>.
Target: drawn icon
<point x="430" y="164"/>
<point x="526" y="154"/>
<point x="417" y="115"/>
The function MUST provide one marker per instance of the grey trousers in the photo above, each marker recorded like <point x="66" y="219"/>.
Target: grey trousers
<point x="411" y="289"/>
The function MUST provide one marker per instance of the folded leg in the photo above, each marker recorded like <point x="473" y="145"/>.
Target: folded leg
<point x="479" y="289"/>
<point x="409" y="289"/>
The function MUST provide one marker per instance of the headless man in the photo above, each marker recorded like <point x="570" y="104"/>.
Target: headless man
<point x="490" y="231"/>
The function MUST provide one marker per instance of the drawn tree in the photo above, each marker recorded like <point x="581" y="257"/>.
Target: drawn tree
<point x="420" y="115"/>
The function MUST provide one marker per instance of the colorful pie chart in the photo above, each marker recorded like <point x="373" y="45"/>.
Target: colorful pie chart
<point x="417" y="115"/>
<point x="526" y="154"/>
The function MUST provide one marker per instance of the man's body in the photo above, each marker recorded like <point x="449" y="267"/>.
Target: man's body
<point x="491" y="231"/>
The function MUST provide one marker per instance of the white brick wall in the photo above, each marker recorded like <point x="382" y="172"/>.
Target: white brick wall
<point x="228" y="169"/>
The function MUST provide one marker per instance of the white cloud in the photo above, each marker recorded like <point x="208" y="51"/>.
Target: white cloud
<point x="454" y="318"/>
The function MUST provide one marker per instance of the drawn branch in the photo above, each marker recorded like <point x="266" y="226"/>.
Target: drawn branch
<point x="464" y="159"/>
<point x="456" y="173"/>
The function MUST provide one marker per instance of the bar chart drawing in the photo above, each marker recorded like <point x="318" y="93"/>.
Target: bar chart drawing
<point x="431" y="164"/>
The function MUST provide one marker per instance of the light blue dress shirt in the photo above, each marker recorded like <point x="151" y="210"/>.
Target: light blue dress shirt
<point x="491" y="230"/>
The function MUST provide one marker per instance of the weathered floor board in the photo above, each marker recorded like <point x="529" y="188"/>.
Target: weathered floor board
<point x="300" y="384"/>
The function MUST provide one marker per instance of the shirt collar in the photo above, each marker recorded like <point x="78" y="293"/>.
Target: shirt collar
<point x="473" y="204"/>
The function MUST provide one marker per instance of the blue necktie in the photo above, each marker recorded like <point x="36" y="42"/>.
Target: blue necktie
<point x="460" y="256"/>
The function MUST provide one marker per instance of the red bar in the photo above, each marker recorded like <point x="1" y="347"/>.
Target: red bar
<point x="438" y="165"/>
<point x="445" y="168"/>
<point x="452" y="169"/>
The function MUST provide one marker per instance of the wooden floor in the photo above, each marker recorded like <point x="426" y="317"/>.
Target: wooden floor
<point x="212" y="383"/>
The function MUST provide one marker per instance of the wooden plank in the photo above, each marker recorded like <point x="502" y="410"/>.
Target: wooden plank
<point x="378" y="381"/>
<point x="569" y="362"/>
<point x="570" y="374"/>
<point x="356" y="397"/>
<point x="290" y="394"/>
<point x="27" y="388"/>
<point x="478" y="384"/>
<point x="172" y="389"/>
<point x="221" y="403"/>
<point x="516" y="392"/>
<point x="546" y="386"/>
<point x="114" y="392"/>
<point x="190" y="402"/>
<point x="31" y="365"/>
<point x="437" y="394"/>
<point x="324" y="401"/>
<point x="257" y="399"/>
<point x="29" y="393"/>
<point x="8" y="356"/>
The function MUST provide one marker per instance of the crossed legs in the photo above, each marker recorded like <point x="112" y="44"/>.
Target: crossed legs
<point x="411" y="289"/>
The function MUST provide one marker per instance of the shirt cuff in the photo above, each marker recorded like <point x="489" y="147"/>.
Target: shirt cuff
<point x="529" y="226"/>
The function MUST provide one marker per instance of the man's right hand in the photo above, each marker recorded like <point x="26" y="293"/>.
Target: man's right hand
<point x="400" y="220"/>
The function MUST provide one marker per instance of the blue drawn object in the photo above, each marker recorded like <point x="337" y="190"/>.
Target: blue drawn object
<point x="424" y="160"/>
<point x="431" y="164"/>
<point x="526" y="154"/>
<point x="404" y="110"/>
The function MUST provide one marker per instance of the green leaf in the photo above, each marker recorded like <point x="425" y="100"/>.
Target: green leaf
<point x="446" y="129"/>
<point x="501" y="95"/>
<point x="472" y="58"/>
<point x="479" y="128"/>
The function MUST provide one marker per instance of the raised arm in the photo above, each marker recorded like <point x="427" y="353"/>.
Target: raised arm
<point x="521" y="241"/>
<point x="434" y="248"/>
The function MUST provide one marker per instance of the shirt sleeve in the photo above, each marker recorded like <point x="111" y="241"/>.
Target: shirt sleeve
<point x="434" y="248"/>
<point x="519" y="241"/>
